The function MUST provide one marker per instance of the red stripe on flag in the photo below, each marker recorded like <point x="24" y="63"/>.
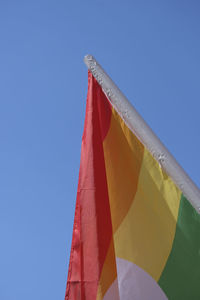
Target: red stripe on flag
<point x="92" y="230"/>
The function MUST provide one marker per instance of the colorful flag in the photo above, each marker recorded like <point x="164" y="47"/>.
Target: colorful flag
<point x="135" y="235"/>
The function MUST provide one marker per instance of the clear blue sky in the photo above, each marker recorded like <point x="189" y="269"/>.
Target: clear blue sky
<point x="151" y="49"/>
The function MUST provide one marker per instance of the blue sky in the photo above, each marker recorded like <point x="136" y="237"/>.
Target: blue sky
<point x="149" y="48"/>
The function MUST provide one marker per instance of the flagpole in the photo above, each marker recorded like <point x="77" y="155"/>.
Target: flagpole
<point x="144" y="133"/>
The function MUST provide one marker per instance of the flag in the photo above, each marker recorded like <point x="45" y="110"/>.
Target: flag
<point x="135" y="234"/>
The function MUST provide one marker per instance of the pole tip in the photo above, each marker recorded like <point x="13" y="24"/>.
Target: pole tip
<point x="90" y="61"/>
<point x="88" y="57"/>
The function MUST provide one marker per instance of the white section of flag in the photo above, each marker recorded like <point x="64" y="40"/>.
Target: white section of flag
<point x="134" y="283"/>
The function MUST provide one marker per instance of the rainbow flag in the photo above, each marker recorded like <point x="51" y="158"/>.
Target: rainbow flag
<point x="135" y="235"/>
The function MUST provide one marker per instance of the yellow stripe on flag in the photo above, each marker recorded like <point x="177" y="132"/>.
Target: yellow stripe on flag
<point x="146" y="235"/>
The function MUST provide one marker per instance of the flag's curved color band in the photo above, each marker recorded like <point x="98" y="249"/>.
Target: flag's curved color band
<point x="135" y="235"/>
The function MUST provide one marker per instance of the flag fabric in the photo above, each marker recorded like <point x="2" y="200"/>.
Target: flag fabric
<point x="135" y="235"/>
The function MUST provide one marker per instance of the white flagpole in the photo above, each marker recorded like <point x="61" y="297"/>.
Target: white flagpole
<point x="144" y="133"/>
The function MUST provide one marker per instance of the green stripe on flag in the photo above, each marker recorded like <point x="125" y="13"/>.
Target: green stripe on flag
<point x="181" y="276"/>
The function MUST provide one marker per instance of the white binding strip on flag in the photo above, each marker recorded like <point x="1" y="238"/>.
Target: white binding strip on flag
<point x="144" y="133"/>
